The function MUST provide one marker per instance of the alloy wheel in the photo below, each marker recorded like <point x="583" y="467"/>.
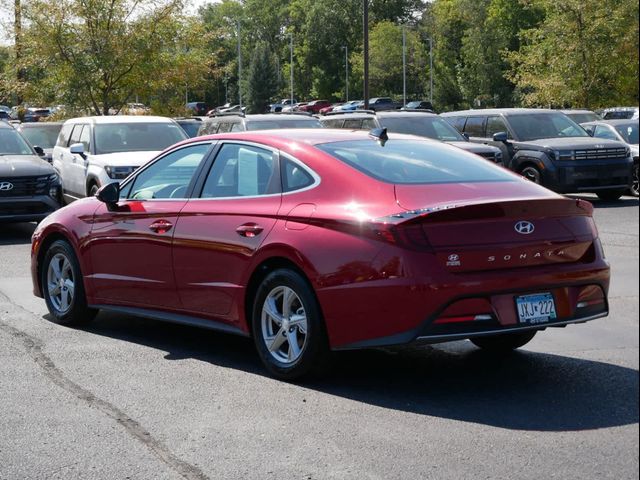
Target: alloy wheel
<point x="284" y="325"/>
<point x="60" y="283"/>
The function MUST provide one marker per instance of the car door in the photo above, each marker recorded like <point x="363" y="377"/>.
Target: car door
<point x="78" y="167"/>
<point x="496" y="124"/>
<point x="218" y="233"/>
<point x="68" y="162"/>
<point x="130" y="247"/>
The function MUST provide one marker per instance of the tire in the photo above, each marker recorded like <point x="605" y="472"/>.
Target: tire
<point x="610" y="195"/>
<point x="634" y="183"/>
<point x="62" y="286"/>
<point x="288" y="328"/>
<point x="532" y="173"/>
<point x="503" y="343"/>
<point x="93" y="189"/>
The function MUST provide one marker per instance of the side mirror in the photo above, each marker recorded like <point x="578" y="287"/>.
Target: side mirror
<point x="500" y="137"/>
<point x="39" y="150"/>
<point x="77" y="149"/>
<point x="379" y="134"/>
<point x="109" y="194"/>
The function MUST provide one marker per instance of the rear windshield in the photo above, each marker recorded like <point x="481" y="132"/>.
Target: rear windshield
<point x="423" y="126"/>
<point x="535" y="126"/>
<point x="275" y="124"/>
<point x="12" y="143"/>
<point x="43" y="135"/>
<point x="415" y="162"/>
<point x="629" y="132"/>
<point x="136" y="137"/>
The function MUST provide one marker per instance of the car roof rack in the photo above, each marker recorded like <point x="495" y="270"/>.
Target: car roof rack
<point x="226" y="114"/>
<point x="350" y="112"/>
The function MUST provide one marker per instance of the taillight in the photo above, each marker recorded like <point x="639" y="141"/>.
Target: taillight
<point x="405" y="236"/>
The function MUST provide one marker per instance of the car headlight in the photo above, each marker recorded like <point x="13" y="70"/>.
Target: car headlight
<point x="119" y="173"/>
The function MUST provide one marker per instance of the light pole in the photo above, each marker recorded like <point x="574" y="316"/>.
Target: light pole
<point x="346" y="71"/>
<point x="404" y="67"/>
<point x="291" y="65"/>
<point x="365" y="52"/>
<point x="239" y="70"/>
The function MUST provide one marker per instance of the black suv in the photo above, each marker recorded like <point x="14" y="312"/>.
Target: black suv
<point x="549" y="148"/>
<point x="29" y="186"/>
<point x="237" y="122"/>
<point x="411" y="122"/>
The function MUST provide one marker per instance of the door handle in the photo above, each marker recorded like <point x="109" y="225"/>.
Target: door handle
<point x="249" y="230"/>
<point x="161" y="226"/>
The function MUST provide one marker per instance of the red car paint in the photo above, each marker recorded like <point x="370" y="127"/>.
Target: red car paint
<point x="388" y="263"/>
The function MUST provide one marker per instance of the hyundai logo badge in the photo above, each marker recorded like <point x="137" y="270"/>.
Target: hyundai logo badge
<point x="6" y="186"/>
<point x="524" y="228"/>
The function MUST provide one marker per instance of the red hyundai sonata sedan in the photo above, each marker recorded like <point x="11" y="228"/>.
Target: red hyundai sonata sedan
<point x="318" y="240"/>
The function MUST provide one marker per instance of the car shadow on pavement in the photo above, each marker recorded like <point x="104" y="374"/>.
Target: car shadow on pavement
<point x="522" y="391"/>
<point x="16" y="233"/>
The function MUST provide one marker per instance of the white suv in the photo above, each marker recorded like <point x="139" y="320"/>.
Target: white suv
<point x="93" y="151"/>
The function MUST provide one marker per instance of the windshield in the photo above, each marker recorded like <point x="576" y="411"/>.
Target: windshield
<point x="583" y="117"/>
<point x="136" y="137"/>
<point x="629" y="132"/>
<point x="415" y="162"/>
<point x="423" y="126"/>
<point x="534" y="126"/>
<point x="12" y="143"/>
<point x="282" y="123"/>
<point x="43" y="135"/>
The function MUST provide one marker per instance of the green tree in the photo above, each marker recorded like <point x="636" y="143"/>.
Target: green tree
<point x="261" y="83"/>
<point x="584" y="54"/>
<point x="102" y="54"/>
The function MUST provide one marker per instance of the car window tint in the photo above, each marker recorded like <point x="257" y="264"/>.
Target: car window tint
<point x="333" y="123"/>
<point x="169" y="177"/>
<point x="65" y="134"/>
<point x="604" y="132"/>
<point x="475" y="126"/>
<point x="369" y="124"/>
<point x="415" y="162"/>
<point x="236" y="127"/>
<point x="456" y="122"/>
<point x="224" y="127"/>
<point x="496" y="125"/>
<point x="75" y="135"/>
<point x="242" y="171"/>
<point x="295" y="177"/>
<point x="354" y="123"/>
<point x="629" y="132"/>
<point x="208" y="128"/>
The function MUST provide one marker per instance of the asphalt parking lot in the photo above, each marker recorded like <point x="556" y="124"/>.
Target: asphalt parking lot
<point x="132" y="398"/>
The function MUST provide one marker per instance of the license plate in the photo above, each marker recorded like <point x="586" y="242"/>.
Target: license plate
<point x="534" y="309"/>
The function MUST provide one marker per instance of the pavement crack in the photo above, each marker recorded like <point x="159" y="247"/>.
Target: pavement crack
<point x="34" y="348"/>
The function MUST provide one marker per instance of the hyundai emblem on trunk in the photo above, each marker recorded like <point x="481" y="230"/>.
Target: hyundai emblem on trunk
<point x="6" y="186"/>
<point x="525" y="228"/>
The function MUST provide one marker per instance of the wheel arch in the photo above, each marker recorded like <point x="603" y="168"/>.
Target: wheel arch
<point x="44" y="246"/>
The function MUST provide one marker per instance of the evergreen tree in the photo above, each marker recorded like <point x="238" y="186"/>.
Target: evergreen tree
<point x="262" y="82"/>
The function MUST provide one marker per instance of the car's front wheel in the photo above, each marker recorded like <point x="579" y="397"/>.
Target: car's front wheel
<point x="634" y="180"/>
<point x="62" y="286"/>
<point x="504" y="342"/>
<point x="287" y="325"/>
<point x="532" y="173"/>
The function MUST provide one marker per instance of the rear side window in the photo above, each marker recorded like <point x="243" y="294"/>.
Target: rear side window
<point x="333" y="123"/>
<point x="415" y="162"/>
<point x="475" y="126"/>
<point x="208" y="128"/>
<point x="65" y="134"/>
<point x="224" y="127"/>
<point x="354" y="123"/>
<point x="294" y="177"/>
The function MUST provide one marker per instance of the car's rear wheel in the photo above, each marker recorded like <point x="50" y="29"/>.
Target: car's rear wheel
<point x="610" y="195"/>
<point x="62" y="286"/>
<point x="504" y="342"/>
<point x="287" y="325"/>
<point x="532" y="173"/>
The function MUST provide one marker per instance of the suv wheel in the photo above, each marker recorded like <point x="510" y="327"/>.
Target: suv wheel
<point x="610" y="195"/>
<point x="93" y="189"/>
<point x="532" y="173"/>
<point x="634" y="183"/>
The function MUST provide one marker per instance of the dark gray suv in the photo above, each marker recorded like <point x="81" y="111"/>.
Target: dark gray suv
<point x="412" y="122"/>
<point x="29" y="186"/>
<point x="549" y="148"/>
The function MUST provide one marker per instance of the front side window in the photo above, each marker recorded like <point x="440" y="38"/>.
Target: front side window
<point x="475" y="126"/>
<point x="415" y="162"/>
<point x="170" y="176"/>
<point x="242" y="171"/>
<point x="65" y="134"/>
<point x="136" y="137"/>
<point x="535" y="126"/>
<point x="75" y="135"/>
<point x="629" y="132"/>
<point x="496" y="125"/>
